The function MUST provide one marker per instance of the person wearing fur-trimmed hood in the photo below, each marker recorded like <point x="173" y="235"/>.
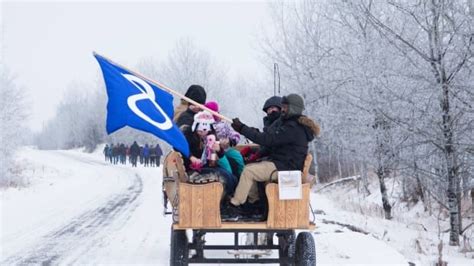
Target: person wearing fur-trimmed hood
<point x="289" y="143"/>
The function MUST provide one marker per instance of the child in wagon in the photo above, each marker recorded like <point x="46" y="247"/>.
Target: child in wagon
<point x="227" y="138"/>
<point x="202" y="144"/>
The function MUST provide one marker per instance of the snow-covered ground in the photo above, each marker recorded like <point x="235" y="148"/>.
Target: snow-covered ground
<point x="78" y="209"/>
<point x="413" y="232"/>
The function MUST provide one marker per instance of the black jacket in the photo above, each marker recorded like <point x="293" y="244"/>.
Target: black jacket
<point x="288" y="141"/>
<point x="158" y="150"/>
<point x="134" y="149"/>
<point x="269" y="125"/>
<point x="196" y="146"/>
<point x="186" y="118"/>
<point x="269" y="120"/>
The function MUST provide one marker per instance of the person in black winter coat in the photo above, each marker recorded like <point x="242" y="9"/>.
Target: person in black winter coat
<point x="198" y="162"/>
<point x="288" y="141"/>
<point x="106" y="152"/>
<point x="272" y="107"/>
<point x="158" y="153"/>
<point x="134" y="152"/>
<point x="198" y="94"/>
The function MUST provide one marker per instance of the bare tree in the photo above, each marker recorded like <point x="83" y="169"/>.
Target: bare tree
<point x="189" y="64"/>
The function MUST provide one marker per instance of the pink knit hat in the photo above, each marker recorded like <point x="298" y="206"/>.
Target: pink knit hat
<point x="214" y="107"/>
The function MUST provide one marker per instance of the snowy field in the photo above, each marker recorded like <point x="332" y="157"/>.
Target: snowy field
<point x="78" y="209"/>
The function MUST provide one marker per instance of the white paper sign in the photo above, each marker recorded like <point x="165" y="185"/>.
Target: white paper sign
<point x="289" y="185"/>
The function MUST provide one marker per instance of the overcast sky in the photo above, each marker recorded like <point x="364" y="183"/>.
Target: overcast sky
<point x="48" y="45"/>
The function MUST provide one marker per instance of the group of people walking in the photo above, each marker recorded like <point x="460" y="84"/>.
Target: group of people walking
<point x="148" y="156"/>
<point x="283" y="146"/>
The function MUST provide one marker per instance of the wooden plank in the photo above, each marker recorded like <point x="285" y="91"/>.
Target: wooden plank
<point x="291" y="213"/>
<point x="170" y="188"/>
<point x="183" y="177"/>
<point x="306" y="166"/>
<point x="287" y="213"/>
<point x="303" y="207"/>
<point x="199" y="205"/>
<point x="271" y="205"/>
<point x="280" y="210"/>
<point x="218" y="190"/>
<point x="172" y="164"/>
<point x="197" y="202"/>
<point x="212" y="197"/>
<point x="276" y="207"/>
<point x="185" y="205"/>
<point x="211" y="216"/>
<point x="242" y="146"/>
<point x="242" y="226"/>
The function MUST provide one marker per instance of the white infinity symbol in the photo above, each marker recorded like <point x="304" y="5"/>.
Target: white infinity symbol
<point x="147" y="94"/>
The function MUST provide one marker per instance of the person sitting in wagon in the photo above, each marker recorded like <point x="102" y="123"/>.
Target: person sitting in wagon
<point x="184" y="113"/>
<point x="203" y="151"/>
<point x="229" y="158"/>
<point x="288" y="142"/>
<point x="272" y="109"/>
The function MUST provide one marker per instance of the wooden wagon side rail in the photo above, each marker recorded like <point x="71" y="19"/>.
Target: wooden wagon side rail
<point x="242" y="226"/>
<point x="287" y="213"/>
<point x="199" y="205"/>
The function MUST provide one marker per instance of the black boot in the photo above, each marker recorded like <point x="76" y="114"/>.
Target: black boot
<point x="230" y="212"/>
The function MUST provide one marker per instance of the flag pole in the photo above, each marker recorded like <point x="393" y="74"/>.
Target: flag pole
<point x="167" y="89"/>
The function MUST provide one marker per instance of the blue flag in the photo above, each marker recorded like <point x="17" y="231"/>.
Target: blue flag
<point x="136" y="103"/>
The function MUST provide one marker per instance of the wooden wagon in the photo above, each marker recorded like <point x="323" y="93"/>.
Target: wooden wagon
<point x="196" y="208"/>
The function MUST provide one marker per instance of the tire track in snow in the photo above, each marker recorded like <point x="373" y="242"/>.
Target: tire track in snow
<point x="80" y="231"/>
<point x="75" y="157"/>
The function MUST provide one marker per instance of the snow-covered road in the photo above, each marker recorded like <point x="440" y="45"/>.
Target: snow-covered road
<point x="80" y="210"/>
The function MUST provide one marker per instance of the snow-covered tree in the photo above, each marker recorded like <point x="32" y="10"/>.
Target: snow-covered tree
<point x="79" y="119"/>
<point x="389" y="82"/>
<point x="12" y="117"/>
<point x="188" y="64"/>
<point x="436" y="38"/>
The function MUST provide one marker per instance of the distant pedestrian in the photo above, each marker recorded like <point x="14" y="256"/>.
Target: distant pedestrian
<point x="134" y="152"/>
<point x="116" y="153"/>
<point x="146" y="155"/>
<point x="127" y="154"/>
<point x="122" y="153"/>
<point x="141" y="155"/>
<point x="106" y="152"/>
<point x="158" y="153"/>
<point x="110" y="155"/>
<point x="152" y="156"/>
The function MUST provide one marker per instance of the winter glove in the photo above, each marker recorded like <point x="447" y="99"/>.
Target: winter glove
<point x="245" y="151"/>
<point x="237" y="125"/>
<point x="196" y="166"/>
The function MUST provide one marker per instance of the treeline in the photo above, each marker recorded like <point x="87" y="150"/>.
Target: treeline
<point x="391" y="83"/>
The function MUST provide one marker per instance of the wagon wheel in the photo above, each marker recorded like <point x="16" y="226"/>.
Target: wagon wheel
<point x="305" y="253"/>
